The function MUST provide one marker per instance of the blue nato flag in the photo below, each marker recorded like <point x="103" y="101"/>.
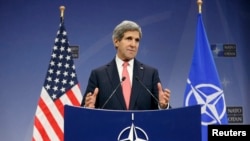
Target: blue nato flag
<point x="203" y="84"/>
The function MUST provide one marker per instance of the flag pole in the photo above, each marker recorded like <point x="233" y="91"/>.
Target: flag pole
<point x="199" y="3"/>
<point x="62" y="8"/>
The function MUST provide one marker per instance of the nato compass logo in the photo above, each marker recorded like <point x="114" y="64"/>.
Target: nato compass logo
<point x="132" y="133"/>
<point x="212" y="101"/>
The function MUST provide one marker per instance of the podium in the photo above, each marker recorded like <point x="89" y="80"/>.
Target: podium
<point x="179" y="124"/>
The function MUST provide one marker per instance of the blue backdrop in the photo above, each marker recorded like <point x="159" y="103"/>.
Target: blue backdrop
<point x="28" y="29"/>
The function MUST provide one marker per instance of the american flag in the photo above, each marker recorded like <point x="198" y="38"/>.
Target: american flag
<point x="60" y="87"/>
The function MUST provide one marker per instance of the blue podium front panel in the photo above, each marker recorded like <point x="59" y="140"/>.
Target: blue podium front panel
<point x="178" y="124"/>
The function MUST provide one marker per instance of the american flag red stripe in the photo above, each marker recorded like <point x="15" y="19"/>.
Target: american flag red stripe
<point x="74" y="100"/>
<point x="50" y="117"/>
<point x="41" y="130"/>
<point x="59" y="104"/>
<point x="60" y="88"/>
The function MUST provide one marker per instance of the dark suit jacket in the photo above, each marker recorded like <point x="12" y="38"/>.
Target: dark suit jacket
<point x="106" y="78"/>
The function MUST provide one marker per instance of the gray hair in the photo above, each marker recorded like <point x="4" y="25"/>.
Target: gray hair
<point x="123" y="27"/>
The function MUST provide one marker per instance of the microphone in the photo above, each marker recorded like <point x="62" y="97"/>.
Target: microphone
<point x="123" y="78"/>
<point x="143" y="85"/>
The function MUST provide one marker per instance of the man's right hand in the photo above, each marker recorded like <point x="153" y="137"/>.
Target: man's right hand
<point x="90" y="99"/>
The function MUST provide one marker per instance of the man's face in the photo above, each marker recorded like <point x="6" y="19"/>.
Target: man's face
<point x="128" y="46"/>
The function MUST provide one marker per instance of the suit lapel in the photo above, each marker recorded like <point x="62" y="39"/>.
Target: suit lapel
<point x="137" y="72"/>
<point x="115" y="80"/>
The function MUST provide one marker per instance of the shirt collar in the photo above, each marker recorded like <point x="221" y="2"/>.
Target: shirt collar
<point x="119" y="62"/>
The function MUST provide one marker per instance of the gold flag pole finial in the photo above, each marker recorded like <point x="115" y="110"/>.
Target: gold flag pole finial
<point x="199" y="2"/>
<point x="62" y="8"/>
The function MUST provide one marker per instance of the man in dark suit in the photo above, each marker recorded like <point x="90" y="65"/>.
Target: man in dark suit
<point x="105" y="85"/>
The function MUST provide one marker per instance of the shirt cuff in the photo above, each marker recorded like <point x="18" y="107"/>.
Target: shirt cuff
<point x="163" y="108"/>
